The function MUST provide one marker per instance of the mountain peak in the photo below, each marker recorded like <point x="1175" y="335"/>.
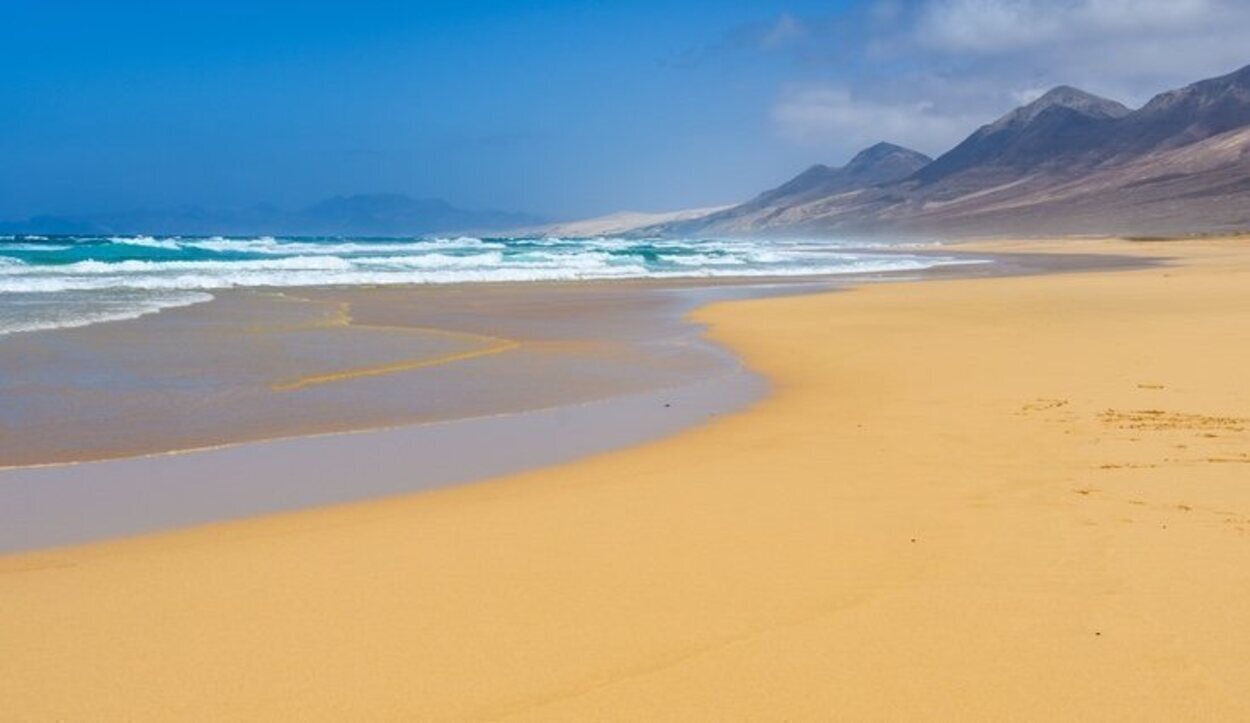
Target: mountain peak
<point x="1232" y="87"/>
<point x="883" y="153"/>
<point x="1063" y="96"/>
<point x="1197" y="111"/>
<point x="880" y="163"/>
<point x="1063" y="121"/>
<point x="876" y="165"/>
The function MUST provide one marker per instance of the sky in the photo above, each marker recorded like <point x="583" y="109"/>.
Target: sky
<point x="562" y="109"/>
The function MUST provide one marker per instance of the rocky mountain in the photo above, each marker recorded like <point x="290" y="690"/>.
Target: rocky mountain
<point x="1191" y="114"/>
<point x="1069" y="162"/>
<point x="874" y="166"/>
<point x="359" y="215"/>
<point x="1062" y="123"/>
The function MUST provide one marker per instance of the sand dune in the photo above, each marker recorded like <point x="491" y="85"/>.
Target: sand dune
<point x="624" y="222"/>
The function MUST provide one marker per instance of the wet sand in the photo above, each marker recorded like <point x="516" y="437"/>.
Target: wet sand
<point x="257" y="365"/>
<point x="65" y="504"/>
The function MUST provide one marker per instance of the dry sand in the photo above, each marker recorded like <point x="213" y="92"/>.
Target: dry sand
<point x="999" y="498"/>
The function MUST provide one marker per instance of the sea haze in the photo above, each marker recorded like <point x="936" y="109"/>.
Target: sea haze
<point x="65" y="281"/>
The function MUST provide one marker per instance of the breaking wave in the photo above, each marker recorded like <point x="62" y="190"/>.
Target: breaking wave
<point x="72" y="281"/>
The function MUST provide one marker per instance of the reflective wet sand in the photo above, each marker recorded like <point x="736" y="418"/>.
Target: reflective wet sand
<point x="252" y="365"/>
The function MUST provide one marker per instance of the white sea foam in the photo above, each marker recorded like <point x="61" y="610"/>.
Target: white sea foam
<point x="19" y="246"/>
<point x="130" y="276"/>
<point x="270" y="246"/>
<point x="703" y="260"/>
<point x="149" y="241"/>
<point x="211" y="275"/>
<point x="44" y="311"/>
<point x="139" y="267"/>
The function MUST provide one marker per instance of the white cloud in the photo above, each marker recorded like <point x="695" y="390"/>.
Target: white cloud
<point x="1006" y="26"/>
<point x="1014" y="25"/>
<point x="1133" y="48"/>
<point x="1142" y="14"/>
<point x="832" y="117"/>
<point x="927" y="73"/>
<point x="986" y="25"/>
<point x="1024" y="96"/>
<point x="786" y="30"/>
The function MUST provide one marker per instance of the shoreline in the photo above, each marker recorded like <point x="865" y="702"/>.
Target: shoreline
<point x="73" y="502"/>
<point x="999" y="497"/>
<point x="687" y="294"/>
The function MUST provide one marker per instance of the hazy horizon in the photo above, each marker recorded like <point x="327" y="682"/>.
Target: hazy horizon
<point x="552" y="109"/>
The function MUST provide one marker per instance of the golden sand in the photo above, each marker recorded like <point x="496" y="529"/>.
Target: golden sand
<point x="990" y="499"/>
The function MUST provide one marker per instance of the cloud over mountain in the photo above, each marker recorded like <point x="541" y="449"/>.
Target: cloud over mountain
<point x="921" y="71"/>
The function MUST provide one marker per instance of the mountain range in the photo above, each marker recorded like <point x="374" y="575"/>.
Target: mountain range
<point x="358" y="215"/>
<point x="1069" y="162"/>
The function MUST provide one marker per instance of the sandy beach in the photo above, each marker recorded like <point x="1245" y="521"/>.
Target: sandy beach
<point x="990" y="498"/>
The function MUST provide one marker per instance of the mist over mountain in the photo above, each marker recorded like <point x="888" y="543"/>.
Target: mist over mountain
<point x="356" y="215"/>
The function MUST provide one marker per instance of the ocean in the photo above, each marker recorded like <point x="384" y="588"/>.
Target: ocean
<point x="67" y="281"/>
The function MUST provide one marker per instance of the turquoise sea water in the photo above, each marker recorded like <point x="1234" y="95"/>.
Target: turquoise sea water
<point x="63" y="281"/>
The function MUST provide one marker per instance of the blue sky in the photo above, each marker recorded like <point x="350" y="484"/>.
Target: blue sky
<point x="559" y="108"/>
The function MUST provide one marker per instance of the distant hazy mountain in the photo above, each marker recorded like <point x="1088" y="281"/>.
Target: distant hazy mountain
<point x="360" y="215"/>
<point x="880" y="164"/>
<point x="391" y="214"/>
<point x="1069" y="162"/>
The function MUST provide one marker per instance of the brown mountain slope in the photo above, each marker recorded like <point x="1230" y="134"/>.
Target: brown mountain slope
<point x="1070" y="162"/>
<point x="1198" y="187"/>
<point x="880" y="164"/>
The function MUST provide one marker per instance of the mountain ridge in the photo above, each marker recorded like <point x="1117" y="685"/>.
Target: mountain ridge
<point x="878" y="164"/>
<point x="1069" y="161"/>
